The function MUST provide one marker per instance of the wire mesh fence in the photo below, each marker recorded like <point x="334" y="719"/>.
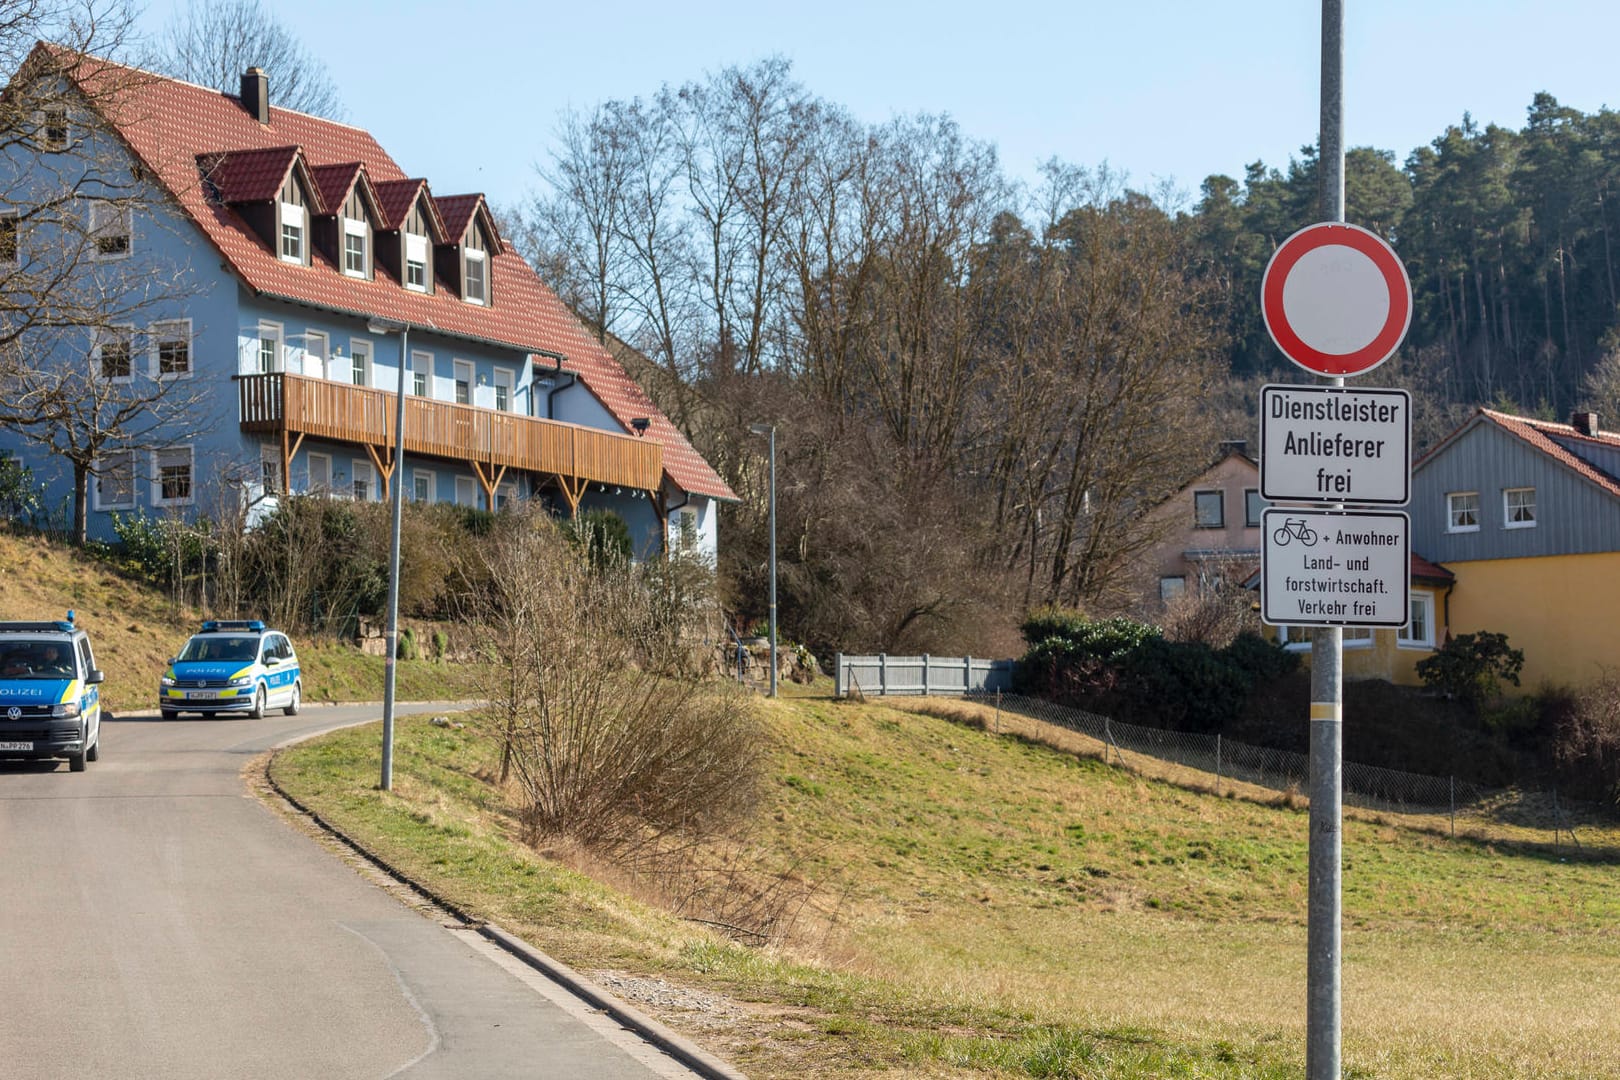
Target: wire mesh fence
<point x="1439" y="803"/>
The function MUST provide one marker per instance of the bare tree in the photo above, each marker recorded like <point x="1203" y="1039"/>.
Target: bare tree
<point x="212" y="42"/>
<point x="79" y="375"/>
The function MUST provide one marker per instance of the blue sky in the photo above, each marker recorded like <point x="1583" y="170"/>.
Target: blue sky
<point x="1173" y="89"/>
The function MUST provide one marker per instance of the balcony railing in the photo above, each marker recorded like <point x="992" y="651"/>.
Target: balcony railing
<point x="319" y="408"/>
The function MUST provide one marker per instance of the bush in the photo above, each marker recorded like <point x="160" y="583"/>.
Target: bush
<point x="1471" y="667"/>
<point x="20" y="498"/>
<point x="1585" y="737"/>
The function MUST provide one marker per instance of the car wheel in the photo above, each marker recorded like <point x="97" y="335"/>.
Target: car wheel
<point x="94" y="752"/>
<point x="292" y="702"/>
<point x="257" y="712"/>
<point x="76" y="762"/>
<point x="169" y="714"/>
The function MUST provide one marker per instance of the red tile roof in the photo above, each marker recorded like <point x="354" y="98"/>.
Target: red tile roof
<point x="1423" y="569"/>
<point x="1547" y="437"/>
<point x="169" y="124"/>
<point x="249" y="175"/>
<point x="334" y="182"/>
<point x="457" y="213"/>
<point x="396" y="198"/>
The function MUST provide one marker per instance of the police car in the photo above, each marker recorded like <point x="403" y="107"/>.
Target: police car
<point x="50" y="693"/>
<point x="233" y="666"/>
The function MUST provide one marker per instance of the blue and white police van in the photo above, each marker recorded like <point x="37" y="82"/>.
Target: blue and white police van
<point x="233" y="666"/>
<point x="50" y="692"/>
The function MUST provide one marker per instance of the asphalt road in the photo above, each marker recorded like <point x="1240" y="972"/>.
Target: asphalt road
<point x="157" y="920"/>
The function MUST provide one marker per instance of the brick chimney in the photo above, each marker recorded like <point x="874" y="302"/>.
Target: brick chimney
<point x="1585" y="423"/>
<point x="256" y="94"/>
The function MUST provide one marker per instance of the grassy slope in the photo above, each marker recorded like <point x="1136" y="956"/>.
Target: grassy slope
<point x="987" y="906"/>
<point x="135" y="629"/>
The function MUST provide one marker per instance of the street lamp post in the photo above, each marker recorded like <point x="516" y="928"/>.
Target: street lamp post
<point x="770" y="431"/>
<point x="391" y="630"/>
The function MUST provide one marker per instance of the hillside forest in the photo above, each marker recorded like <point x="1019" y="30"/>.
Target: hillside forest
<point x="978" y="385"/>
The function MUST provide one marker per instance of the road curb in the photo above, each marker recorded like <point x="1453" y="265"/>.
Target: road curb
<point x="653" y="1031"/>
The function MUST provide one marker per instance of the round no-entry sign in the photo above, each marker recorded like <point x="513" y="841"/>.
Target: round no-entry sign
<point x="1336" y="299"/>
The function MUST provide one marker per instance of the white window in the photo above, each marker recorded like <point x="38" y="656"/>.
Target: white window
<point x="115" y="354"/>
<point x="171" y="348"/>
<point x="1253" y="506"/>
<point x="362" y="485"/>
<point x="359" y="369"/>
<point x="505" y="383"/>
<point x="320" y="473"/>
<point x="270" y="470"/>
<point x="466" y="491"/>
<point x="109" y="229"/>
<point x="421" y="373"/>
<point x="1418" y="633"/>
<point x="477" y="278"/>
<point x="1299" y="638"/>
<point x="423" y="485"/>
<point x="316" y="347"/>
<point x="268" y="357"/>
<point x="1519" y="508"/>
<point x="292" y="233"/>
<point x="115" y="481"/>
<point x="355" y="262"/>
<point x="1209" y="510"/>
<point x="54" y="130"/>
<point x="464" y="382"/>
<point x="172" y="476"/>
<point x="504" y="495"/>
<point x="1462" y="511"/>
<point x="8" y="239"/>
<point x="1172" y="587"/>
<point x="416" y="262"/>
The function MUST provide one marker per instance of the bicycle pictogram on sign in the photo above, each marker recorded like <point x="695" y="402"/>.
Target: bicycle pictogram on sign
<point x="1294" y="529"/>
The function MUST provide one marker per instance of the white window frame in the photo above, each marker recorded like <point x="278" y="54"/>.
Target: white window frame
<point x="191" y="476"/>
<point x="124" y="335"/>
<point x="270" y="470"/>
<point x="470" y="486"/>
<point x="1453" y="511"/>
<point x="269" y="332"/>
<point x="1403" y="635"/>
<point x="357" y="228"/>
<point x="321" y="485"/>
<point x="1508" y="508"/>
<point x="359" y="362"/>
<point x="1300" y="640"/>
<point x="109" y="220"/>
<point x="168" y="332"/>
<point x="421" y="373"/>
<point x="417" y="246"/>
<point x="293" y="225"/>
<point x="317" y="353"/>
<point x="361" y="472"/>
<point x="1252" y="495"/>
<point x="481" y="260"/>
<point x="104" y="468"/>
<point x="1220" y="495"/>
<point x="505" y="493"/>
<point x="459" y="366"/>
<point x="49" y="114"/>
<point x="507" y="381"/>
<point x="432" y="478"/>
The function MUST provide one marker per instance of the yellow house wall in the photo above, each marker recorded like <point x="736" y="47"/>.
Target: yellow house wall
<point x="1560" y="609"/>
<point x="1385" y="658"/>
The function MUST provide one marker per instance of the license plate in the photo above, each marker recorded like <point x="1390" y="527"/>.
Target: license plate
<point x="16" y="746"/>
<point x="201" y="695"/>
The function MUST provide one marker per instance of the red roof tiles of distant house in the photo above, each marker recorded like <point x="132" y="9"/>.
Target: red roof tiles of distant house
<point x="169" y="125"/>
<point x="1539" y="434"/>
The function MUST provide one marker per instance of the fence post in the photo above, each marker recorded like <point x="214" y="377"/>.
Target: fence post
<point x="883" y="675"/>
<point x="1453" y="807"/>
<point x="927" y="664"/>
<point x="998" y="710"/>
<point x="1108" y="736"/>
<point x="838" y="680"/>
<point x="967" y="675"/>
<point x="1217" y="763"/>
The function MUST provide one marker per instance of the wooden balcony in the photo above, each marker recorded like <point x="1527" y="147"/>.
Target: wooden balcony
<point x="490" y="442"/>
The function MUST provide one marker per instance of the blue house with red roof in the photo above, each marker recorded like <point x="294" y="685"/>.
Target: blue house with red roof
<point x="309" y="271"/>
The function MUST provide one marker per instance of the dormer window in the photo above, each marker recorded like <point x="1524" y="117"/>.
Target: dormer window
<point x="416" y="259"/>
<point x="477" y="278"/>
<point x="292" y="233"/>
<point x="356" y="248"/>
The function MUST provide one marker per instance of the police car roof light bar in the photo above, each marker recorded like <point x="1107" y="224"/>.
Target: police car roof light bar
<point x="231" y="624"/>
<point x="35" y="627"/>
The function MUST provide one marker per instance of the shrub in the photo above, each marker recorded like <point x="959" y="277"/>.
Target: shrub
<point x="20" y="497"/>
<point x="1585" y="737"/>
<point x="1471" y="667"/>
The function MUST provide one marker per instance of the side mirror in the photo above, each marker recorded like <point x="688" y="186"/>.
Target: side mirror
<point x="272" y="661"/>
<point x="95" y="676"/>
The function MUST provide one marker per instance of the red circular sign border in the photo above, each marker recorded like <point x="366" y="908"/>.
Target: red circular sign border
<point x="1296" y="247"/>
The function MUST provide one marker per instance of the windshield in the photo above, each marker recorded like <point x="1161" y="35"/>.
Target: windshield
<point x="36" y="659"/>
<point x="221" y="648"/>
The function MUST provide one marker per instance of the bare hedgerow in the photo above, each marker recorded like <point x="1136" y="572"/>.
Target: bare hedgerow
<point x="611" y="740"/>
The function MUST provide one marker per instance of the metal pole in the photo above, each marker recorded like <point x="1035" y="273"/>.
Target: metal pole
<point x="391" y="632"/>
<point x="773" y="561"/>
<point x="1323" y="946"/>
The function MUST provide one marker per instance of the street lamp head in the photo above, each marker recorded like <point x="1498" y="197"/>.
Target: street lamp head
<point x="762" y="429"/>
<point x="379" y="325"/>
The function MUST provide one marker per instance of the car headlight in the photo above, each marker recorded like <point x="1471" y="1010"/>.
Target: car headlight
<point x="169" y="680"/>
<point x="65" y="712"/>
<point x="242" y="680"/>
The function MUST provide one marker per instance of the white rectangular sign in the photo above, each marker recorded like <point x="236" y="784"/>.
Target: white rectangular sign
<point x="1335" y="567"/>
<point x="1335" y="444"/>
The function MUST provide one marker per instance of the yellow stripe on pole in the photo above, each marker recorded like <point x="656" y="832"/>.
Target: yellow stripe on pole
<point x="1326" y="710"/>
